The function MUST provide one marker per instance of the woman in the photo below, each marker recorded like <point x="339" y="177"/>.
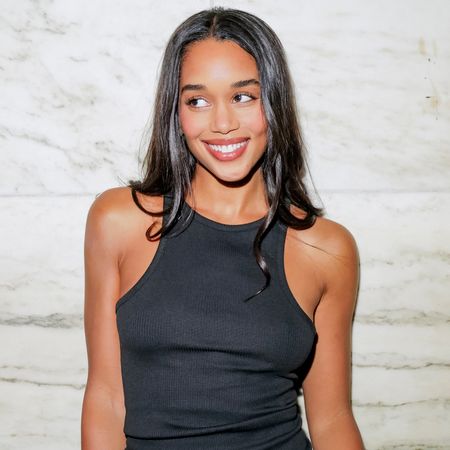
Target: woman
<point x="203" y="320"/>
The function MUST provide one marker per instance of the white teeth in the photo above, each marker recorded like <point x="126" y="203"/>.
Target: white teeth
<point x="227" y="148"/>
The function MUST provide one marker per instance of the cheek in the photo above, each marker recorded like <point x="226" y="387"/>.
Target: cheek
<point x="257" y="123"/>
<point x="192" y="124"/>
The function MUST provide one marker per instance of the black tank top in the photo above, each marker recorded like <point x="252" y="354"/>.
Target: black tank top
<point x="203" y="369"/>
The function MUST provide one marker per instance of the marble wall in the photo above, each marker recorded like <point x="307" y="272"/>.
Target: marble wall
<point x="77" y="81"/>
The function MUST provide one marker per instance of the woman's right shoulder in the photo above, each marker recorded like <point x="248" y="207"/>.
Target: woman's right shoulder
<point x="116" y="204"/>
<point x="113" y="214"/>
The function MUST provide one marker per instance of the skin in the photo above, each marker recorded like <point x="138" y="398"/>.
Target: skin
<point x="321" y="263"/>
<point x="221" y="111"/>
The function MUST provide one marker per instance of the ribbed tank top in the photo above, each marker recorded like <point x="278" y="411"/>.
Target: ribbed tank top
<point x="201" y="368"/>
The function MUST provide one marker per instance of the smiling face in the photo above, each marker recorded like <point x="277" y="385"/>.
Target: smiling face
<point x="220" y="109"/>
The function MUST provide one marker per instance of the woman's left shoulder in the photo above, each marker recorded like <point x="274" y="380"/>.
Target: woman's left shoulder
<point x="332" y="250"/>
<point x="327" y="235"/>
<point x="334" y="237"/>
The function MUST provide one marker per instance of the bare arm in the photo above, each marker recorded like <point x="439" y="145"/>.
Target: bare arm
<point x="327" y="387"/>
<point x="103" y="409"/>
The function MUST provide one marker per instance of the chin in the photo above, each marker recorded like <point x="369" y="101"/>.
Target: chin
<point x="232" y="177"/>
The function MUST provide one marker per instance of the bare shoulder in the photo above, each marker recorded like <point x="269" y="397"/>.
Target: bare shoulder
<point x="114" y="214"/>
<point x="334" y="243"/>
<point x="107" y="211"/>
<point x="112" y="202"/>
<point x="334" y="237"/>
<point x="116" y="204"/>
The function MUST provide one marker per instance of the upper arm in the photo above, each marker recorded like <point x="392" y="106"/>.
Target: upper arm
<point x="327" y="386"/>
<point x="101" y="257"/>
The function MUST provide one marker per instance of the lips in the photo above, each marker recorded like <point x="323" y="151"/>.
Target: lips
<point x="230" y="141"/>
<point x="226" y="145"/>
<point x="226" y="149"/>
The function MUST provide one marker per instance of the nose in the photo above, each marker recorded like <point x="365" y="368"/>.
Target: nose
<point x="224" y="119"/>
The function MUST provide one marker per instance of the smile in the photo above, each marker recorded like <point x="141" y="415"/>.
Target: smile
<point x="227" y="148"/>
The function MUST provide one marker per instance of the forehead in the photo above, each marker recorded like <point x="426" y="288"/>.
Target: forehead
<point x="215" y="60"/>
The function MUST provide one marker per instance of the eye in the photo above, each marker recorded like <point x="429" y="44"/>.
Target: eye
<point x="197" y="102"/>
<point x="243" y="98"/>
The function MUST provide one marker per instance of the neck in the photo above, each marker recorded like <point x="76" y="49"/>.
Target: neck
<point x="231" y="201"/>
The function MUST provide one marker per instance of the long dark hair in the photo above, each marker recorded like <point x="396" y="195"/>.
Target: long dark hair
<point x="168" y="164"/>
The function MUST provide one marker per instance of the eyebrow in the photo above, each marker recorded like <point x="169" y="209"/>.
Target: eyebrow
<point x="237" y="84"/>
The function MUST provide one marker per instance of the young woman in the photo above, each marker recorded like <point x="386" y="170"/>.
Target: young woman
<point x="215" y="290"/>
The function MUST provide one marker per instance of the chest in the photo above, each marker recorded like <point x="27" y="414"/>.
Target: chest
<point x="194" y="301"/>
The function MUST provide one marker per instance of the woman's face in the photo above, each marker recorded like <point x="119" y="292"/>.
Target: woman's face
<point x="220" y="109"/>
